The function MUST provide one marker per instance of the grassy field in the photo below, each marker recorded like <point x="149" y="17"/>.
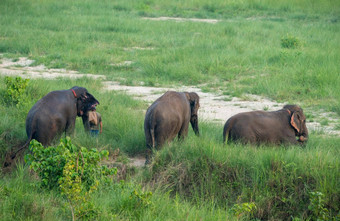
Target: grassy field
<point x="245" y="52"/>
<point x="286" y="50"/>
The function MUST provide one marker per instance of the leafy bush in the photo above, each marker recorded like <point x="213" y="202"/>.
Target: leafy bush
<point x="14" y="93"/>
<point x="317" y="206"/>
<point x="74" y="171"/>
<point x="244" y="209"/>
<point x="290" y="42"/>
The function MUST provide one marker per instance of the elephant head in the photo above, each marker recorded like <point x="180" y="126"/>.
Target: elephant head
<point x="298" y="121"/>
<point x="85" y="100"/>
<point x="194" y="105"/>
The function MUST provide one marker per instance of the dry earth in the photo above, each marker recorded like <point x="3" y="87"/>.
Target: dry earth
<point x="177" y="19"/>
<point x="214" y="107"/>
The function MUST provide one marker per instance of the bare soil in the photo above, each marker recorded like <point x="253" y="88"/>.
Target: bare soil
<point x="178" y="19"/>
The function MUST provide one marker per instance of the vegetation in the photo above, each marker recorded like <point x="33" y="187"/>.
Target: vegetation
<point x="246" y="52"/>
<point x="285" y="50"/>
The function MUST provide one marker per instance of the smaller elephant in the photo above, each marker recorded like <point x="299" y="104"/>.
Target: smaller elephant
<point x="169" y="116"/>
<point x="276" y="127"/>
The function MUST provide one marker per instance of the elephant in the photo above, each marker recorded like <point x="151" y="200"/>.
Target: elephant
<point x="275" y="127"/>
<point x="56" y="113"/>
<point x="169" y="116"/>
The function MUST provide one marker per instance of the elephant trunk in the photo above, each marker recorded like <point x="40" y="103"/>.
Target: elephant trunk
<point x="304" y="136"/>
<point x="194" y="124"/>
<point x="303" y="139"/>
<point x="86" y="122"/>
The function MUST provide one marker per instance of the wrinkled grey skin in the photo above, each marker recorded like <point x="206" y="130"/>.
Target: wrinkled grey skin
<point x="56" y="113"/>
<point x="169" y="116"/>
<point x="276" y="127"/>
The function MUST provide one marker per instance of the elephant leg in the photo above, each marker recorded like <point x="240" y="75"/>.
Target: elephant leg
<point x="148" y="156"/>
<point x="69" y="126"/>
<point x="183" y="132"/>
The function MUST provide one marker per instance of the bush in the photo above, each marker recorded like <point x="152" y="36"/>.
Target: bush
<point x="290" y="42"/>
<point x="74" y="171"/>
<point x="14" y="94"/>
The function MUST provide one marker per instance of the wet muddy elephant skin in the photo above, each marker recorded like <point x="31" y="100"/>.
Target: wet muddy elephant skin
<point x="56" y="113"/>
<point x="169" y="116"/>
<point x="276" y="127"/>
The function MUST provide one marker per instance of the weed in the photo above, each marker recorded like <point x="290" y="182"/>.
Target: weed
<point x="15" y="92"/>
<point x="290" y="42"/>
<point x="245" y="210"/>
<point x="317" y="206"/>
<point x="74" y="171"/>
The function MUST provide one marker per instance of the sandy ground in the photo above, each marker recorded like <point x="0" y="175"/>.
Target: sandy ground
<point x="177" y="19"/>
<point x="23" y="69"/>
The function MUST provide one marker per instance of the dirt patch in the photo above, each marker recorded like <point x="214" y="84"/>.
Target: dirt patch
<point x="22" y="68"/>
<point x="177" y="19"/>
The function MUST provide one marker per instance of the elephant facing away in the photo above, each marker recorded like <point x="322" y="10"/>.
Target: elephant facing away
<point x="276" y="127"/>
<point x="56" y="113"/>
<point x="169" y="116"/>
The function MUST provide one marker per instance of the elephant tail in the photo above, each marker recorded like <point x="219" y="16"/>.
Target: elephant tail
<point x="226" y="130"/>
<point x="149" y="129"/>
<point x="23" y="146"/>
<point x="152" y="133"/>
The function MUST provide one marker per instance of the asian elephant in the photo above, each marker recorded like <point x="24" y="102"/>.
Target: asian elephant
<point x="276" y="127"/>
<point x="56" y="113"/>
<point x="169" y="116"/>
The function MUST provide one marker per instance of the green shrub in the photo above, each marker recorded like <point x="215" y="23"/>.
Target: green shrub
<point x="317" y="206"/>
<point x="74" y="171"/>
<point x="244" y="209"/>
<point x="14" y="93"/>
<point x="290" y="41"/>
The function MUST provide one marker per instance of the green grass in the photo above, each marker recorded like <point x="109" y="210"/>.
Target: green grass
<point x="242" y="52"/>
<point x="278" y="180"/>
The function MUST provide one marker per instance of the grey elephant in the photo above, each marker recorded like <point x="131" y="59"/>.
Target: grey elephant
<point x="169" y="116"/>
<point x="56" y="113"/>
<point x="276" y="127"/>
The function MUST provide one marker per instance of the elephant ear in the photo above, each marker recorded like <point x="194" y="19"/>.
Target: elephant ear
<point x="295" y="122"/>
<point x="193" y="100"/>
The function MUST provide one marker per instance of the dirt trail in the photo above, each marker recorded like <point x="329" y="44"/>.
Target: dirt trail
<point x="178" y="19"/>
<point x="214" y="107"/>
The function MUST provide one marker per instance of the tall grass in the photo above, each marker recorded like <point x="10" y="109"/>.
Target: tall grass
<point x="278" y="180"/>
